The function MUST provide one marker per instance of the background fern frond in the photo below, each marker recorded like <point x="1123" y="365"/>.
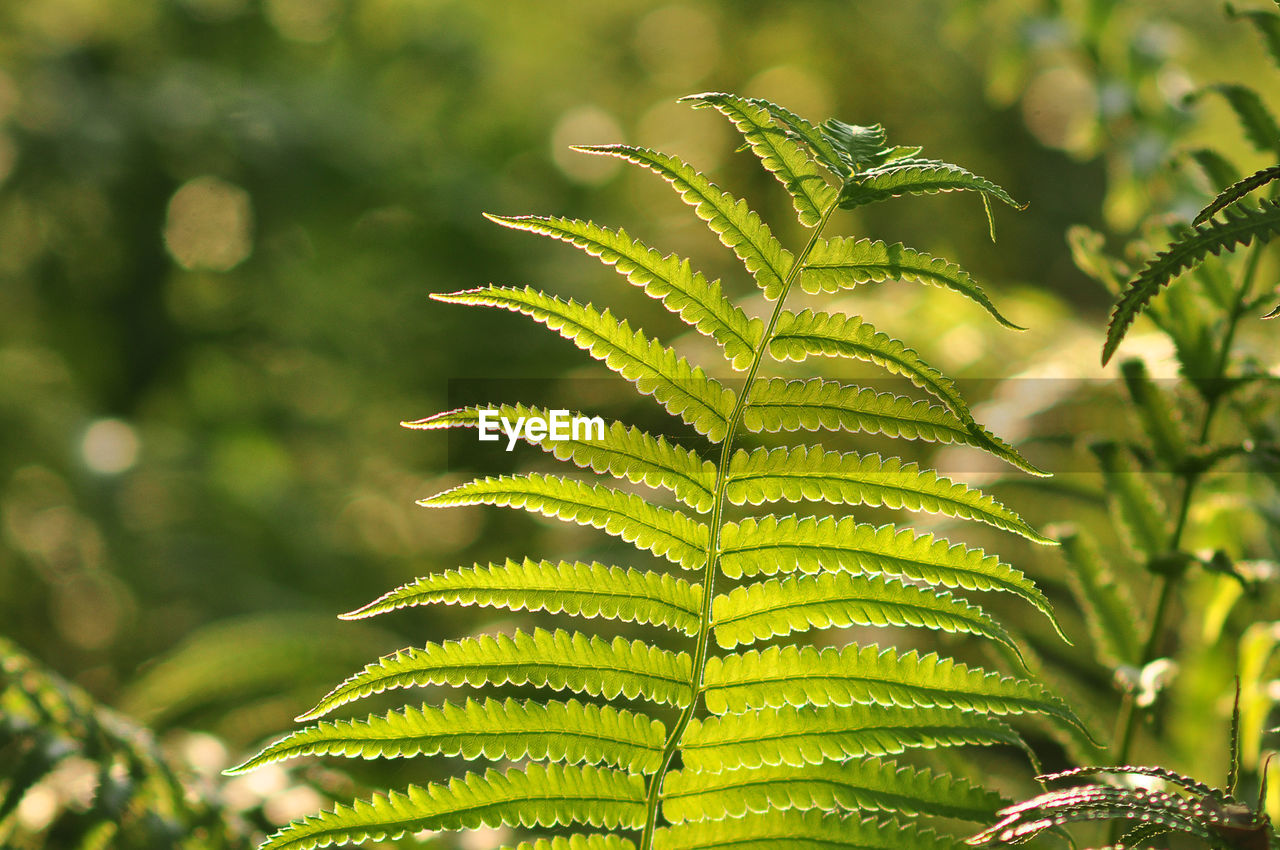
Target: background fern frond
<point x="1237" y="191"/>
<point x="914" y="177"/>
<point x="1259" y="125"/>
<point x="1239" y="225"/>
<point x="584" y="590"/>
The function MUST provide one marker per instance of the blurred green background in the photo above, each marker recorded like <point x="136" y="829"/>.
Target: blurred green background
<point x="220" y="220"/>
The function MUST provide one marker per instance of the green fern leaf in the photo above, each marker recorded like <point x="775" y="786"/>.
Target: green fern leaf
<point x="583" y="590"/>
<point x="1236" y="191"/>
<point x="814" y="404"/>
<point x="800" y="829"/>
<point x="799" y="335"/>
<point x="1219" y="170"/>
<point x="807" y="133"/>
<point x="868" y="675"/>
<point x="1255" y="118"/>
<point x="858" y="146"/>
<point x="559" y="660"/>
<point x="1138" y="509"/>
<point x="538" y="795"/>
<point x="626" y="452"/>
<point x="669" y="534"/>
<point x="558" y="731"/>
<point x="807" y="472"/>
<point x="917" y="176"/>
<point x="669" y="279"/>
<point x="770" y="545"/>
<point x="739" y="228"/>
<point x="779" y="607"/>
<point x="855" y="786"/>
<point x="1240" y="225"/>
<point x="838" y="264"/>
<point x="683" y="390"/>
<point x="1113" y="620"/>
<point x="1266" y="23"/>
<point x="780" y="155"/>
<point x="812" y="735"/>
<point x="1155" y="412"/>
<point x="576" y="842"/>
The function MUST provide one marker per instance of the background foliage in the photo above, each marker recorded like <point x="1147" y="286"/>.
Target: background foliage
<point x="219" y="220"/>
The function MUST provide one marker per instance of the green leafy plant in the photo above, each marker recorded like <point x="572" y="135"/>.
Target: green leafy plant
<point x="715" y="744"/>
<point x="91" y="777"/>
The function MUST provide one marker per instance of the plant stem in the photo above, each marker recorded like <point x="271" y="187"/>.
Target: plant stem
<point x="713" y="544"/>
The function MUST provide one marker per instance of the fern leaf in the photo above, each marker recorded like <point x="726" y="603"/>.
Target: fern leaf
<point x="812" y="735"/>
<point x="855" y="786"/>
<point x="576" y="842"/>
<point x="781" y="156"/>
<point x="1255" y="118"/>
<point x="814" y="404"/>
<point x="868" y="675"/>
<point x="858" y="146"/>
<point x="837" y="264"/>
<point x="669" y="279"/>
<point x="779" y="607"/>
<point x="625" y="453"/>
<point x="1113" y="620"/>
<point x="739" y="228"/>
<point x="1266" y="23"/>
<point x="1155" y="412"/>
<point x="806" y="132"/>
<point x="1219" y="170"/>
<point x="1138" y="509"/>
<point x="1239" y="225"/>
<point x="669" y="534"/>
<point x="538" y="795"/>
<point x="556" y="731"/>
<point x="683" y="390"/>
<point x="914" y="177"/>
<point x="799" y="335"/>
<point x="807" y="472"/>
<point x="559" y="660"/>
<point x="583" y="590"/>
<point x="770" y="545"/>
<point x="1236" y="191"/>
<point x="800" y="829"/>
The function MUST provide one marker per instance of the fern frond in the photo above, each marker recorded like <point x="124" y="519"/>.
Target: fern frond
<point x="799" y="335"/>
<point x="1239" y="225"/>
<point x="812" y="735"/>
<point x="808" y="472"/>
<point x="1266" y="23"/>
<point x="667" y="533"/>
<point x="800" y="829"/>
<point x="576" y="842"/>
<point x="1113" y="620"/>
<point x="917" y="176"/>
<point x="670" y="279"/>
<point x="779" y="607"/>
<point x="1219" y="170"/>
<point x="567" y="731"/>
<point x="1255" y="118"/>
<point x="583" y="590"/>
<point x="684" y="390"/>
<point x="840" y="263"/>
<point x="868" y="675"/>
<point x="781" y="156"/>
<point x="626" y="452"/>
<point x="867" y="785"/>
<point x="771" y="545"/>
<point x="815" y="404"/>
<point x="737" y="225"/>
<point x="1139" y="511"/>
<point x="858" y="146"/>
<point x="559" y="660"/>
<point x="538" y="795"/>
<point x="805" y="131"/>
<point x="1236" y="191"/>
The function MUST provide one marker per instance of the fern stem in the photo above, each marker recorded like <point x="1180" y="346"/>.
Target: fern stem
<point x="1127" y="723"/>
<point x="713" y="544"/>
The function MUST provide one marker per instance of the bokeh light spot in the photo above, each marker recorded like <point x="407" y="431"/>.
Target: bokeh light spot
<point x="585" y="125"/>
<point x="1060" y="109"/>
<point x="109" y="446"/>
<point x="678" y="45"/>
<point x="310" y="21"/>
<point x="209" y="225"/>
<point x="799" y="90"/>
